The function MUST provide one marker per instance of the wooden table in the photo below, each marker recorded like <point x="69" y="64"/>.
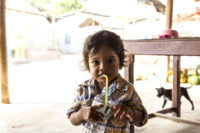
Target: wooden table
<point x="169" y="47"/>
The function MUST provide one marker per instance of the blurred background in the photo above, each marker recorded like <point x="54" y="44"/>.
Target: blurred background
<point x="44" y="43"/>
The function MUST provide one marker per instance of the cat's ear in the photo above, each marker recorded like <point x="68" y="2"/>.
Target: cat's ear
<point x="156" y="88"/>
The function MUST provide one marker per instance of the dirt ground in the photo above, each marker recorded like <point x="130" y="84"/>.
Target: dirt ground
<point x="50" y="118"/>
<point x="41" y="92"/>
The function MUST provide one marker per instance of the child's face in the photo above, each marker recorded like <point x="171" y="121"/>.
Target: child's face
<point x="105" y="61"/>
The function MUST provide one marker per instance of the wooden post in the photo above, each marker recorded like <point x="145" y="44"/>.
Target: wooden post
<point x="177" y="119"/>
<point x="176" y="64"/>
<point x="168" y="26"/>
<point x="128" y="71"/>
<point x="169" y="14"/>
<point x="129" y="76"/>
<point x="176" y="86"/>
<point x="3" y="54"/>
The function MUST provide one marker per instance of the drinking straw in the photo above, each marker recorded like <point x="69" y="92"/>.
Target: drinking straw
<point x="106" y="96"/>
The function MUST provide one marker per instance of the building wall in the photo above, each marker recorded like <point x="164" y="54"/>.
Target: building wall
<point x="25" y="30"/>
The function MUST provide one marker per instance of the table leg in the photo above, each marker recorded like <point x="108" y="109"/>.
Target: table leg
<point x="129" y="76"/>
<point x="129" y="71"/>
<point x="176" y="86"/>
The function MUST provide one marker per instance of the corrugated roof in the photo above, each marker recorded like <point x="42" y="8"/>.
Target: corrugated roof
<point x="81" y="11"/>
<point x="22" y="6"/>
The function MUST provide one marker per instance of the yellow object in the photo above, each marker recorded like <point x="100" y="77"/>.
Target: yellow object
<point x="184" y="80"/>
<point x="106" y="96"/>
<point x="183" y="76"/>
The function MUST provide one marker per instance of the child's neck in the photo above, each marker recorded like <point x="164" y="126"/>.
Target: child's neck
<point x="100" y="86"/>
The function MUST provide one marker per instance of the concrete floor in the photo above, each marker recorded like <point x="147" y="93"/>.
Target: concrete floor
<point x="50" y="118"/>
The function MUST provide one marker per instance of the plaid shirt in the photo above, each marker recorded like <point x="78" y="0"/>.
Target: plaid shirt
<point x="120" y="91"/>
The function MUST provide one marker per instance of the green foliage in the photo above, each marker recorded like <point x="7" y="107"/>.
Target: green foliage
<point x="59" y="6"/>
<point x="68" y="6"/>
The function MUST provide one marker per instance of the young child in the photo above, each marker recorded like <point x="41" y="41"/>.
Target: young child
<point x="104" y="53"/>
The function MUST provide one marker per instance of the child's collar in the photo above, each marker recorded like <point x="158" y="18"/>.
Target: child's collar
<point x="116" y="81"/>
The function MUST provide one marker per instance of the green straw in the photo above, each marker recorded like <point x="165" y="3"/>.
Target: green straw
<point x="106" y="96"/>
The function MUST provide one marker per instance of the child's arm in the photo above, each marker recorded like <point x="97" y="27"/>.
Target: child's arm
<point x="133" y="109"/>
<point x="86" y="114"/>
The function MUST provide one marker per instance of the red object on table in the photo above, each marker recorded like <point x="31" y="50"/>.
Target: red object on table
<point x="169" y="34"/>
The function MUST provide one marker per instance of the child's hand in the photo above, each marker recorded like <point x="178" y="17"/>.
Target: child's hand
<point x="122" y="111"/>
<point x="90" y="113"/>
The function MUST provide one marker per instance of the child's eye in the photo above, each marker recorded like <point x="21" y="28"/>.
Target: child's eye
<point x="111" y="60"/>
<point x="95" y="62"/>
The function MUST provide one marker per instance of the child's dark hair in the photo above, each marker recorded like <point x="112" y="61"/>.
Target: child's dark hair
<point x="103" y="37"/>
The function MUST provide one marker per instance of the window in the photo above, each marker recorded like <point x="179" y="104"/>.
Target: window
<point x="67" y="39"/>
